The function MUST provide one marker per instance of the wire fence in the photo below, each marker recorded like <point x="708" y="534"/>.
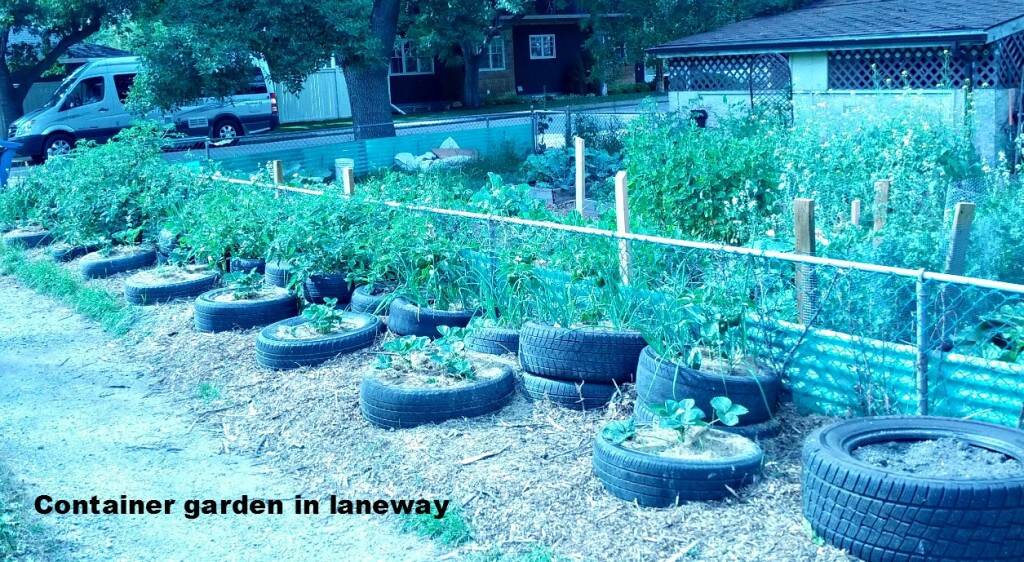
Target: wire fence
<point x="848" y="338"/>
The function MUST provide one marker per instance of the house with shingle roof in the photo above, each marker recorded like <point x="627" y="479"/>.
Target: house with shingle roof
<point x="845" y="55"/>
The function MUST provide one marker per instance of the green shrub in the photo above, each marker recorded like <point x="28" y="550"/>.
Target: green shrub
<point x="118" y="191"/>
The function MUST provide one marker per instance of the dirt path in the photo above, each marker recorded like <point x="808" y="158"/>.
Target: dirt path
<point x="78" y="418"/>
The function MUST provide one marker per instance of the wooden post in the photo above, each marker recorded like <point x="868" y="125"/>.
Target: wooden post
<point x="581" y="175"/>
<point x="348" y="181"/>
<point x="855" y="212"/>
<point x="622" y="225"/>
<point x="881" y="203"/>
<point x="959" y="238"/>
<point x="956" y="264"/>
<point x="806" y="280"/>
<point x="277" y="172"/>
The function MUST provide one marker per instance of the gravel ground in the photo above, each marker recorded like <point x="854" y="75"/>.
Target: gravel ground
<point x="522" y="476"/>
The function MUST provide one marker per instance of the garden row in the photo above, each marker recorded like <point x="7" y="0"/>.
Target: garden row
<point x="678" y="332"/>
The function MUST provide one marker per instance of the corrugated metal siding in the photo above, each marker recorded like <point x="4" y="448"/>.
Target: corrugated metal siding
<point x="830" y="373"/>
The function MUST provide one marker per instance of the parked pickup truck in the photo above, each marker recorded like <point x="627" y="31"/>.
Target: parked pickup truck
<point x="90" y="104"/>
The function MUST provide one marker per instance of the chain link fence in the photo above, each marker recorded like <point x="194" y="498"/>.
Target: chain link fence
<point x="848" y="338"/>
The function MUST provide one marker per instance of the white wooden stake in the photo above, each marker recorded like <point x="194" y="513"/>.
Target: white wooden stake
<point x="581" y="175"/>
<point x="855" y="212"/>
<point x="348" y="181"/>
<point x="622" y="225"/>
<point x="277" y="172"/>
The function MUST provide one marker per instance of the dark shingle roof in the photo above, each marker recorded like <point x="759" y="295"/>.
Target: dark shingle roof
<point x="860" y="22"/>
<point x="80" y="51"/>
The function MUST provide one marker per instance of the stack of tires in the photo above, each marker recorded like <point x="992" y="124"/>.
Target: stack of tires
<point x="659" y="379"/>
<point x="577" y="368"/>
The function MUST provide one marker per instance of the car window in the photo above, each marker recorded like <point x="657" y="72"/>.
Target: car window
<point x="123" y="85"/>
<point x="89" y="90"/>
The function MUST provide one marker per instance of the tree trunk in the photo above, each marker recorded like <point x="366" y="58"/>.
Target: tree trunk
<point x="368" y="87"/>
<point x="659" y="75"/>
<point x="11" y="105"/>
<point x="471" y="80"/>
<point x="370" y="97"/>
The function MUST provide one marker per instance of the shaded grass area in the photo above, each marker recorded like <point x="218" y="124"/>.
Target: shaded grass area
<point x="451" y="530"/>
<point x="109" y="310"/>
<point x="21" y="539"/>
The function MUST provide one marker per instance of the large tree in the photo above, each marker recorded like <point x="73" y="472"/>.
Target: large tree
<point x="199" y="48"/>
<point x="52" y="27"/>
<point x="470" y="26"/>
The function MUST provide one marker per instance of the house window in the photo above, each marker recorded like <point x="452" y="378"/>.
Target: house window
<point x="407" y="61"/>
<point x="542" y="46"/>
<point x="495" y="57"/>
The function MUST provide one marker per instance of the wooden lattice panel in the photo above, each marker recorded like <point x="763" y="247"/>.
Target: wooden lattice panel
<point x="982" y="66"/>
<point x="710" y="74"/>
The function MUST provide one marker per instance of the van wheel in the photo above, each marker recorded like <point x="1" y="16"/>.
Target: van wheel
<point x="58" y="144"/>
<point x="227" y="129"/>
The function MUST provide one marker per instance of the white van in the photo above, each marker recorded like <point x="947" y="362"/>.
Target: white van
<point x="89" y="104"/>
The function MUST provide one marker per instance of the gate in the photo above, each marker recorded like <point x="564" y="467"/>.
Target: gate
<point x="771" y="86"/>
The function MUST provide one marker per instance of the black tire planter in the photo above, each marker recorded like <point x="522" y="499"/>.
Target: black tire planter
<point x="658" y="380"/>
<point x="220" y="316"/>
<point x="493" y="341"/>
<point x="247" y="265"/>
<point x="756" y="431"/>
<point x="407" y="319"/>
<point x="319" y="287"/>
<point x="71" y="253"/>
<point x="392" y="406"/>
<point x="881" y="515"/>
<point x="280" y="353"/>
<point x="573" y="395"/>
<point x="655" y="481"/>
<point x="584" y="354"/>
<point x="166" y="243"/>
<point x="366" y="301"/>
<point x="105" y="267"/>
<point x="278" y="273"/>
<point x="147" y="294"/>
<point x="28" y="239"/>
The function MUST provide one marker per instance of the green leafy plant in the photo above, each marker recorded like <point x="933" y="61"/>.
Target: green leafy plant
<point x="1000" y="334"/>
<point x="326" y="318"/>
<point x="246" y="286"/>
<point x="683" y="417"/>
<point x="444" y="357"/>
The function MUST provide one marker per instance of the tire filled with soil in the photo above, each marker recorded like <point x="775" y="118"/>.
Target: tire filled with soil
<point x="27" y="239"/>
<point x="568" y="394"/>
<point x="65" y="252"/>
<point x="215" y="311"/>
<point x="398" y="406"/>
<point x="756" y="431"/>
<point x="659" y="379"/>
<point x="493" y="341"/>
<point x="653" y="480"/>
<point x="407" y="319"/>
<point x="145" y="289"/>
<point x="247" y="265"/>
<point x="916" y="488"/>
<point x="278" y="273"/>
<point x="370" y="300"/>
<point x="585" y="354"/>
<point x="320" y="287"/>
<point x="277" y="348"/>
<point x="96" y="266"/>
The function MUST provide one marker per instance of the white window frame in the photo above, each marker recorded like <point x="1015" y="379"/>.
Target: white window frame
<point x="498" y="42"/>
<point x="406" y="52"/>
<point x="542" y="38"/>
